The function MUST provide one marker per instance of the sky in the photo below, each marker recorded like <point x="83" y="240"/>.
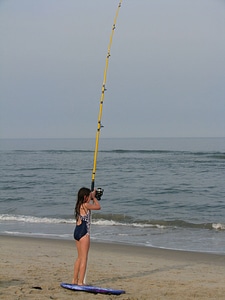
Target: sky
<point x="166" y="75"/>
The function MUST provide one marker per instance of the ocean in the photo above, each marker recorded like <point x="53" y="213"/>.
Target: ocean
<point x="158" y="192"/>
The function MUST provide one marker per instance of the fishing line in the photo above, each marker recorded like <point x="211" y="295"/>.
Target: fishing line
<point x="99" y="125"/>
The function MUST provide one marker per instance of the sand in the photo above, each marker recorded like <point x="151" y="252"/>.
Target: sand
<point x="33" y="268"/>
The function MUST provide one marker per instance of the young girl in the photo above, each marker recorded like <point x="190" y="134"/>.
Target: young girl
<point x="83" y="209"/>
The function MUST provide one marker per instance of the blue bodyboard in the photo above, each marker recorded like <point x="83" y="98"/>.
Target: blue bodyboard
<point x="91" y="289"/>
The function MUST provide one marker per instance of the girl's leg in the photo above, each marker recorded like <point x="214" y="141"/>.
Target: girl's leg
<point x="84" y="245"/>
<point x="76" y="264"/>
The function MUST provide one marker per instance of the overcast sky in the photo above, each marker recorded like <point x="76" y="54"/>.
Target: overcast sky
<point x="166" y="75"/>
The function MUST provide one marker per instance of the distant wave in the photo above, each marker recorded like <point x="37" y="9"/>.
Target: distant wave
<point x="115" y="220"/>
<point x="52" y="151"/>
<point x="216" y="154"/>
<point x="124" y="220"/>
<point x="161" y="224"/>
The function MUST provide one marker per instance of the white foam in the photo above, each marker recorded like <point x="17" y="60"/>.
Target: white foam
<point x="218" y="226"/>
<point x="102" y="222"/>
<point x="31" y="219"/>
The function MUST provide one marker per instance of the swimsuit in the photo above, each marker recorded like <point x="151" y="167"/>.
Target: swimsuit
<point x="84" y="228"/>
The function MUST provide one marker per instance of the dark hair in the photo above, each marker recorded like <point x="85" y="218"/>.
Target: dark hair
<point x="80" y="200"/>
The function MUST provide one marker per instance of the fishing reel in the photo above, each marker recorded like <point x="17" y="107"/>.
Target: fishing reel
<point x="99" y="193"/>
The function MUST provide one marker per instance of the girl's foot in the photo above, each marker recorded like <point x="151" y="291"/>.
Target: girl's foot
<point x="74" y="281"/>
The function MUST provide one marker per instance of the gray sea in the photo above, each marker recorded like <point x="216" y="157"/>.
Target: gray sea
<point x="158" y="192"/>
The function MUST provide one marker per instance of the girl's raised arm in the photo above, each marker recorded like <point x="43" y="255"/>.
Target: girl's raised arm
<point x="95" y="205"/>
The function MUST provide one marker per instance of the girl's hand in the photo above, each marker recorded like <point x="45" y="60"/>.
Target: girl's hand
<point x="93" y="194"/>
<point x="93" y="205"/>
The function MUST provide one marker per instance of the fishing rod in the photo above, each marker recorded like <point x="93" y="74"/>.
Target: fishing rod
<point x="99" y="125"/>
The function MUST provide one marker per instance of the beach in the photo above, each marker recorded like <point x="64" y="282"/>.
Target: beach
<point x="33" y="268"/>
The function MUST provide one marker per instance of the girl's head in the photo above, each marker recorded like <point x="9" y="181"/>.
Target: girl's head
<point x="83" y="194"/>
<point x="82" y="197"/>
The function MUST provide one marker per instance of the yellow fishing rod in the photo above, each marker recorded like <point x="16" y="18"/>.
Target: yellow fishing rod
<point x="99" y="126"/>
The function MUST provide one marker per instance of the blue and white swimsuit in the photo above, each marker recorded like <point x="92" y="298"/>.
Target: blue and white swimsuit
<point x="83" y="228"/>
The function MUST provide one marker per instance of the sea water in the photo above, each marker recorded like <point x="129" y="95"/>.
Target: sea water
<point x="158" y="192"/>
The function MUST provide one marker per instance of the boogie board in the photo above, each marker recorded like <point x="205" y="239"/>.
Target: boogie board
<point x="91" y="289"/>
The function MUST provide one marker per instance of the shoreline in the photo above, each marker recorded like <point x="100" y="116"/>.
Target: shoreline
<point x="98" y="241"/>
<point x="33" y="268"/>
<point x="107" y="245"/>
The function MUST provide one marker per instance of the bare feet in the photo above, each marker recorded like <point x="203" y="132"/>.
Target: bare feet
<point x="74" y="281"/>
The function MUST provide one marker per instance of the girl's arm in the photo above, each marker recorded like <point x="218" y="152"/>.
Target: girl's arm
<point x="95" y="205"/>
